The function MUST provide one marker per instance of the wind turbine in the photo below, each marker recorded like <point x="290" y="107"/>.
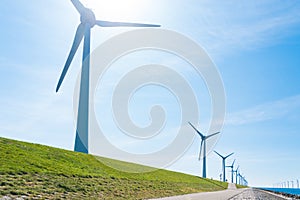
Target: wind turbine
<point x="244" y="180"/>
<point x="88" y="21"/>
<point x="203" y="143"/>
<point x="239" y="175"/>
<point x="240" y="179"/>
<point x="236" y="174"/>
<point x="232" y="171"/>
<point x="223" y="163"/>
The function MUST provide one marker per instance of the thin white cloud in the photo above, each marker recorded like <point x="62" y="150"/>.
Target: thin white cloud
<point x="264" y="112"/>
<point x="228" y="26"/>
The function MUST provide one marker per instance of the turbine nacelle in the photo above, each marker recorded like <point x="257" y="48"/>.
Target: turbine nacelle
<point x="88" y="17"/>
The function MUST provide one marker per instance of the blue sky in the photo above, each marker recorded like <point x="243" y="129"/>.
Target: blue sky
<point x="255" y="46"/>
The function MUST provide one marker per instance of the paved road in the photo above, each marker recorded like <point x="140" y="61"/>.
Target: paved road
<point x="230" y="194"/>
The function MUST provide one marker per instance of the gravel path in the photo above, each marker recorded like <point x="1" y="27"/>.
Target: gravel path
<point x="255" y="194"/>
<point x="230" y="194"/>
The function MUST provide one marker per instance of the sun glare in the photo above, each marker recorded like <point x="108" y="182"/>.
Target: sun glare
<point x="116" y="9"/>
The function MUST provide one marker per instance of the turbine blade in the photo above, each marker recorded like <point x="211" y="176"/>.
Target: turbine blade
<point x="79" y="6"/>
<point x="229" y="155"/>
<point x="123" y="24"/>
<point x="193" y="126"/>
<point x="233" y="163"/>
<point x="219" y="154"/>
<point x="77" y="40"/>
<point x="200" y="149"/>
<point x="201" y="135"/>
<point x="212" y="135"/>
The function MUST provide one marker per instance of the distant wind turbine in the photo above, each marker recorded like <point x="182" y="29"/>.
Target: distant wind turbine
<point x="236" y="174"/>
<point x="223" y="163"/>
<point x="240" y="178"/>
<point x="203" y="144"/>
<point x="244" y="180"/>
<point x="232" y="171"/>
<point x="88" y="21"/>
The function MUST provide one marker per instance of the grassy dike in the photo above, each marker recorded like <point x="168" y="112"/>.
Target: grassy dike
<point x="42" y="172"/>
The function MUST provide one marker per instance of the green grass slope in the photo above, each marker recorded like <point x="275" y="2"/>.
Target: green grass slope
<point x="42" y="172"/>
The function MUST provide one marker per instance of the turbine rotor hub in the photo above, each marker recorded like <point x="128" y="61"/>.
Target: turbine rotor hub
<point x="88" y="17"/>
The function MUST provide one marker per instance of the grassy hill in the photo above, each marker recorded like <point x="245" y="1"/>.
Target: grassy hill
<point x="42" y="172"/>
